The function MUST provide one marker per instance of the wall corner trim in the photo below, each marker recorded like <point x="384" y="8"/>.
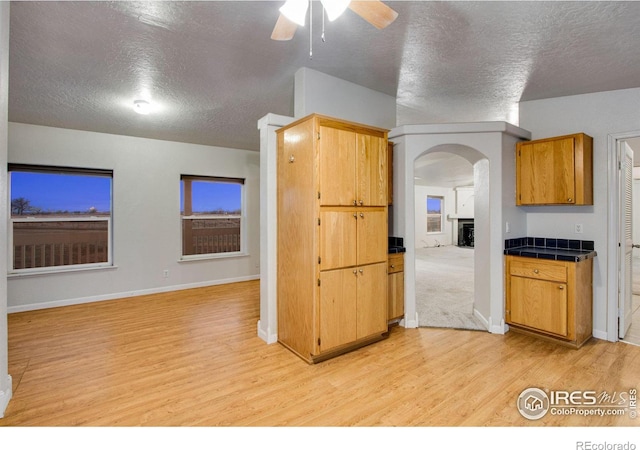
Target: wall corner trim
<point x="5" y="396"/>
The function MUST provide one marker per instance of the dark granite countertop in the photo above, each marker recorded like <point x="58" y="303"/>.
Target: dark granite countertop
<point x="396" y="245"/>
<point x="550" y="248"/>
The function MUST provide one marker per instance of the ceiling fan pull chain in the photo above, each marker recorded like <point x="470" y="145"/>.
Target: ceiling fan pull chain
<point x="310" y="29"/>
<point x="322" y="35"/>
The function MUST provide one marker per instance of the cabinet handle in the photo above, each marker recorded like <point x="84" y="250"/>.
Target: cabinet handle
<point x="362" y="215"/>
<point x="361" y="271"/>
<point x="361" y="202"/>
<point x="393" y="266"/>
<point x="569" y="199"/>
<point x="536" y="271"/>
<point x="355" y="272"/>
<point x="355" y="215"/>
<point x="355" y="203"/>
<point x="561" y="287"/>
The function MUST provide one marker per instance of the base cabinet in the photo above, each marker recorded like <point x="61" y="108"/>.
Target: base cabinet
<point x="550" y="299"/>
<point x="395" y="269"/>
<point x="350" y="306"/>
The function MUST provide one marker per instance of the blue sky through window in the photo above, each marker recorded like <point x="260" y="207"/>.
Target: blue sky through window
<point x="208" y="196"/>
<point x="434" y="205"/>
<point x="55" y="192"/>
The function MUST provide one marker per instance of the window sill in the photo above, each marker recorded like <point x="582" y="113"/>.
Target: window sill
<point x="58" y="270"/>
<point x="192" y="258"/>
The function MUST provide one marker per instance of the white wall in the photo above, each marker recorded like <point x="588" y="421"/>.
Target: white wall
<point x="464" y="202"/>
<point x="316" y="92"/>
<point x="424" y="239"/>
<point x="5" y="379"/>
<point x="597" y="115"/>
<point x="146" y="215"/>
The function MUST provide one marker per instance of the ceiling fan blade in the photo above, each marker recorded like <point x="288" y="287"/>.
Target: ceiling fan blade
<point x="284" y="29"/>
<point x="375" y="12"/>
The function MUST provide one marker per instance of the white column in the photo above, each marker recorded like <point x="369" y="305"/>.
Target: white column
<point x="5" y="378"/>
<point x="268" y="322"/>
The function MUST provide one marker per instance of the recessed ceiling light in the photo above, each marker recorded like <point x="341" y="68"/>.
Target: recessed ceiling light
<point x="141" y="106"/>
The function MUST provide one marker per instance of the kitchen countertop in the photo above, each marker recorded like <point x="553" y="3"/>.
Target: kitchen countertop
<point x="550" y="248"/>
<point x="396" y="245"/>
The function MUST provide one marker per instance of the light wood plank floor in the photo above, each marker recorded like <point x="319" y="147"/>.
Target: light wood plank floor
<point x="193" y="358"/>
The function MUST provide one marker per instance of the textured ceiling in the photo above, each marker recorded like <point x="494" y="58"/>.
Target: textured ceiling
<point x="212" y="70"/>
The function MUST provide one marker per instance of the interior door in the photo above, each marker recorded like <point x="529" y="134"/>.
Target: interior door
<point x="626" y="237"/>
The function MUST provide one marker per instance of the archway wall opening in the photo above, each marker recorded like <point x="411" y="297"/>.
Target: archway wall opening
<point x="490" y="147"/>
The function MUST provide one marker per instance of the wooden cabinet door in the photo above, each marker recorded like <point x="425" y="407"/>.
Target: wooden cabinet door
<point x="338" y="308"/>
<point x="539" y="304"/>
<point x="396" y="295"/>
<point x="337" y="171"/>
<point x="546" y="172"/>
<point x="372" y="170"/>
<point x="373" y="242"/>
<point x="372" y="300"/>
<point x="338" y="235"/>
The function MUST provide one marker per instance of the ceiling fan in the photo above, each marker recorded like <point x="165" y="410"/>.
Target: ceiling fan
<point x="293" y="13"/>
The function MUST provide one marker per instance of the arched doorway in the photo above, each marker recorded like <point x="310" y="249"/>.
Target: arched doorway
<point x="445" y="255"/>
<point x="490" y="147"/>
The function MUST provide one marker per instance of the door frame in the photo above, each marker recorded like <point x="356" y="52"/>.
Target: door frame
<point x="613" y="237"/>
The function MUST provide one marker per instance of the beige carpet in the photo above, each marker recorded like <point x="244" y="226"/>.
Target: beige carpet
<point x="444" y="288"/>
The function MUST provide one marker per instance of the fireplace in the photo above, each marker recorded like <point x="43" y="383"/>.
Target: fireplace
<point x="465" y="233"/>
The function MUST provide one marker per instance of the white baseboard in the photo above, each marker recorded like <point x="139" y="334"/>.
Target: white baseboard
<point x="600" y="335"/>
<point x="118" y="295"/>
<point x="267" y="335"/>
<point x="494" y="328"/>
<point x="5" y="396"/>
<point x="481" y="318"/>
<point x="410" y="323"/>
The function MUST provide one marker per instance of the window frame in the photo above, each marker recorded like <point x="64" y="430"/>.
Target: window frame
<point x="242" y="216"/>
<point x="36" y="168"/>
<point x="441" y="215"/>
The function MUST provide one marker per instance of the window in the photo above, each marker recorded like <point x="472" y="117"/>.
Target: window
<point x="211" y="210"/>
<point x="434" y="214"/>
<point x="60" y="218"/>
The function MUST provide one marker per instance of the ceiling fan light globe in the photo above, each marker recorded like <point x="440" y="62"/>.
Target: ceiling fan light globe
<point x="141" y="107"/>
<point x="335" y="8"/>
<point x="295" y="10"/>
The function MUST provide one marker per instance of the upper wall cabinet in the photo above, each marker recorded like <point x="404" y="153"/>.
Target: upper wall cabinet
<point x="353" y="165"/>
<point x="555" y="171"/>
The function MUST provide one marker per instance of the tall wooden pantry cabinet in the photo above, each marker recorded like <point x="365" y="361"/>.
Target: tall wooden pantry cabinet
<point x="332" y="236"/>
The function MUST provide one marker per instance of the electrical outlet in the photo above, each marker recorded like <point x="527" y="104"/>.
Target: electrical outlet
<point x="508" y="227"/>
<point x="578" y="228"/>
<point x="165" y="273"/>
